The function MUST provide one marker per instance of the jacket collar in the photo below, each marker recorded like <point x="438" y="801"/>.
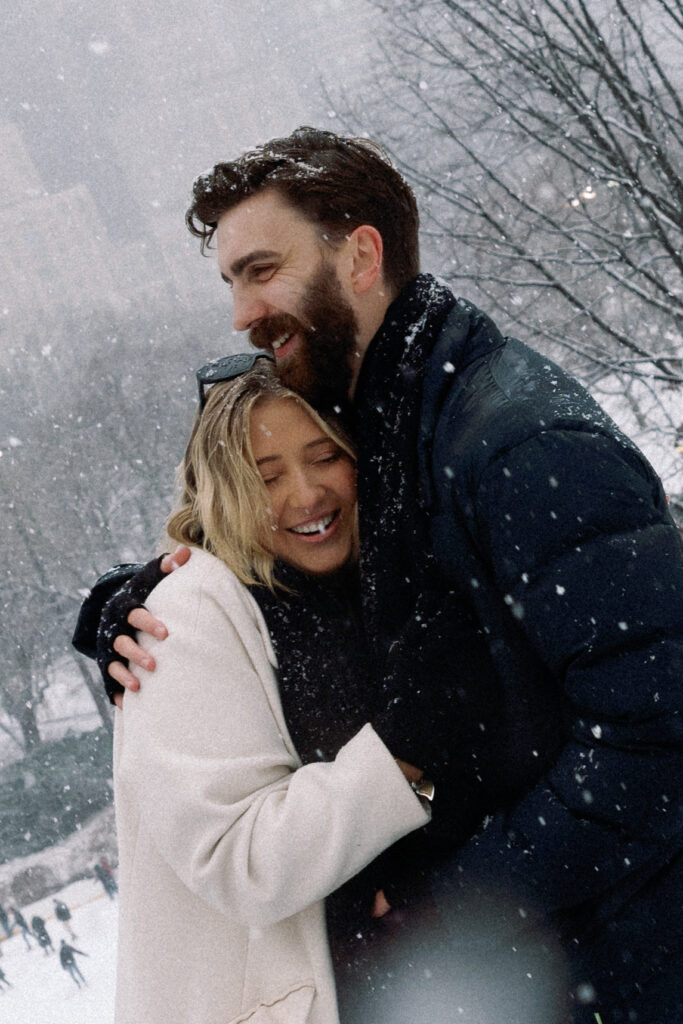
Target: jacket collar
<point x="399" y="351"/>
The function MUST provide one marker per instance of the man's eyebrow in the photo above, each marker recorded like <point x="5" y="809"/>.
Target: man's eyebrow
<point x="240" y="265"/>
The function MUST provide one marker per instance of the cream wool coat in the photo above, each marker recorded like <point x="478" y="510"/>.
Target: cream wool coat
<point x="226" y="849"/>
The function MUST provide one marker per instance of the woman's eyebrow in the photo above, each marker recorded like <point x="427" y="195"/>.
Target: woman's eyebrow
<point x="309" y="444"/>
<point x="320" y="440"/>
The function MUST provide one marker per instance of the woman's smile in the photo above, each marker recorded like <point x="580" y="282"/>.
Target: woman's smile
<point x="311" y="484"/>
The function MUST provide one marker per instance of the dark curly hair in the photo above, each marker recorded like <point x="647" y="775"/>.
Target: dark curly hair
<point x="336" y="182"/>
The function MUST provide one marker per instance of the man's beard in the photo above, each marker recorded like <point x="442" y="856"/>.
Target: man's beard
<point x="321" y="369"/>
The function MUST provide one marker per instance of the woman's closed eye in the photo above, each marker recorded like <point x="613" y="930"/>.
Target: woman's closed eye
<point x="330" y="457"/>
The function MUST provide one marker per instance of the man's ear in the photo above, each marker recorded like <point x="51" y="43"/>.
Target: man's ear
<point x="367" y="253"/>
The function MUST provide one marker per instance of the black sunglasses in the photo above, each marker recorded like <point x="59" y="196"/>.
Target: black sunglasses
<point x="227" y="368"/>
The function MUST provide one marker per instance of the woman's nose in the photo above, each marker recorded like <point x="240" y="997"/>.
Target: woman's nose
<point x="305" y="493"/>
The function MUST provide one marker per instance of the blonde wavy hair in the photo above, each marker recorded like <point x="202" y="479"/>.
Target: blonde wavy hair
<point x="223" y="503"/>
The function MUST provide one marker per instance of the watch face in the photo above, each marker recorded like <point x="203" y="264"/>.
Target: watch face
<point x="424" y="789"/>
<point x="427" y="789"/>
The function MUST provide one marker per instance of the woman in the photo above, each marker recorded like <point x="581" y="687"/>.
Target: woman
<point x="227" y="843"/>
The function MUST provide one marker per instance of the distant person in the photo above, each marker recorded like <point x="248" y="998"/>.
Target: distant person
<point x="3" y="979"/>
<point x="63" y="914"/>
<point x="4" y="921"/>
<point x="41" y="933"/>
<point x="105" y="876"/>
<point x="20" y="922"/>
<point x="68" y="962"/>
<point x="106" y="866"/>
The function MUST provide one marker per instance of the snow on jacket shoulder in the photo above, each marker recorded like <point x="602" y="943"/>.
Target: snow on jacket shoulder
<point x="227" y="846"/>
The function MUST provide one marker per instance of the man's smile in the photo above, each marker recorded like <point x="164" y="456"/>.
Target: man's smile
<point x="286" y="345"/>
<point x="282" y="333"/>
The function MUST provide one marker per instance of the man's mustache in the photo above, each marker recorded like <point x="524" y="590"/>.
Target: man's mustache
<point x="273" y="327"/>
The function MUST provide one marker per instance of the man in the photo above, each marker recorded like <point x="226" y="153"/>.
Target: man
<point x="21" y="923"/>
<point x="103" y="874"/>
<point x="68" y="961"/>
<point x="505" y="517"/>
<point x="63" y="914"/>
<point x="41" y="933"/>
<point x="4" y="921"/>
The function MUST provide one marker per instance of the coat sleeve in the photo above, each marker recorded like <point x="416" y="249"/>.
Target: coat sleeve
<point x="206" y="757"/>
<point x="85" y="633"/>
<point x="585" y="557"/>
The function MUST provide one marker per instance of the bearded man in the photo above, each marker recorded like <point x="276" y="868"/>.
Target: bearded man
<point x="496" y="496"/>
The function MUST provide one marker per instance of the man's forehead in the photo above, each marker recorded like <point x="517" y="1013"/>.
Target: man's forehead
<point x="265" y="211"/>
<point x="263" y="222"/>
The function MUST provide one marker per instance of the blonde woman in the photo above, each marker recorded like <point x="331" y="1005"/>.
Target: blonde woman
<point x="228" y="843"/>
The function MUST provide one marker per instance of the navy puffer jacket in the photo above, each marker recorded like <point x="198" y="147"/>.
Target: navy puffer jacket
<point x="557" y="527"/>
<point x="552" y="542"/>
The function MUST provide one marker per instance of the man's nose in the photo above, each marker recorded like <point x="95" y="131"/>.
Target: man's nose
<point x="247" y="309"/>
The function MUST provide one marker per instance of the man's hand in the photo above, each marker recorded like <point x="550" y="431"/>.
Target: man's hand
<point x="140" y="619"/>
<point x="380" y="906"/>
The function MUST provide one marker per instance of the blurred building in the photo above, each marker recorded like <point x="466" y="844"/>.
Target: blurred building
<point x="56" y="257"/>
<point x="107" y="113"/>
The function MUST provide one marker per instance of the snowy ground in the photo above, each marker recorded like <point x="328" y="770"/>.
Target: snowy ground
<point x="42" y="992"/>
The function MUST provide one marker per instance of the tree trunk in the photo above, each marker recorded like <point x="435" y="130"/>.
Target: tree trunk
<point x="26" y="719"/>
<point x="96" y="690"/>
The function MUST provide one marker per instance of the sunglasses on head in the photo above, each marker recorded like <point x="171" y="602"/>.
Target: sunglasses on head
<point x="227" y="368"/>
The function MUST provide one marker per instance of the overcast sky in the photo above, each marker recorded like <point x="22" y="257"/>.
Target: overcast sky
<point x="128" y="102"/>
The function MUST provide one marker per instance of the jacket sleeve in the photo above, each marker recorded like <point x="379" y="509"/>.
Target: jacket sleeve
<point x="85" y="633"/>
<point x="584" y="555"/>
<point x="206" y="757"/>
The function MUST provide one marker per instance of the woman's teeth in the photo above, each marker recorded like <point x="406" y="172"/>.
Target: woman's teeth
<point x="318" y="527"/>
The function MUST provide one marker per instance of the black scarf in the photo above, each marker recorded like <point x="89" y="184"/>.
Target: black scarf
<point x="441" y="700"/>
<point x="386" y="419"/>
<point x="324" y="673"/>
<point x="327" y="692"/>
